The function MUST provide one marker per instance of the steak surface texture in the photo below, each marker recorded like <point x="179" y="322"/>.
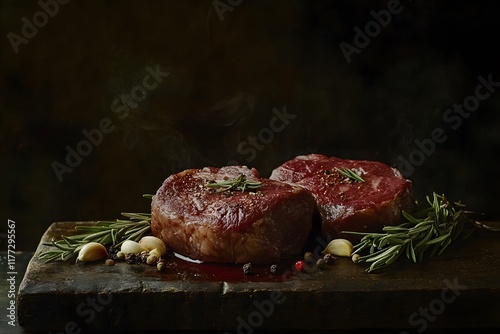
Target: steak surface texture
<point x="345" y="204"/>
<point x="214" y="224"/>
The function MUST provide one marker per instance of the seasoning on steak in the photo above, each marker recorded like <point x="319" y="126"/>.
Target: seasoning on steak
<point x="345" y="204"/>
<point x="215" y="224"/>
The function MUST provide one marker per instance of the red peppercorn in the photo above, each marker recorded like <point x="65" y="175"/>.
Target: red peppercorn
<point x="300" y="265"/>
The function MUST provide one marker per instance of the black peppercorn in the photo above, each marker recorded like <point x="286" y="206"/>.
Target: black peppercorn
<point x="329" y="259"/>
<point x="131" y="258"/>
<point x="247" y="268"/>
<point x="321" y="264"/>
<point x="143" y="257"/>
<point x="112" y="251"/>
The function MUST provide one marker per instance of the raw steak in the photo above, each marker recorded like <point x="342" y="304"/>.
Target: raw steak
<point x="345" y="204"/>
<point x="215" y="225"/>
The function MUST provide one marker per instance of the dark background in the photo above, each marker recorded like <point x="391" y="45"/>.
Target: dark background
<point x="226" y="76"/>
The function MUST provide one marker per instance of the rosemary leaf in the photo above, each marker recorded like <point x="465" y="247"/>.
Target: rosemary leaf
<point x="425" y="233"/>
<point x="108" y="233"/>
<point x="438" y="240"/>
<point x="383" y="254"/>
<point x="350" y="174"/>
<point x="392" y="258"/>
<point x="410" y="218"/>
<point x="113" y="236"/>
<point x="412" y="251"/>
<point x="443" y="247"/>
<point x="425" y="239"/>
<point x="238" y="183"/>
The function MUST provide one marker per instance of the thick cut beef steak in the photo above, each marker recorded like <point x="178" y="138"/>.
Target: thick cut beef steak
<point x="214" y="224"/>
<point x="344" y="203"/>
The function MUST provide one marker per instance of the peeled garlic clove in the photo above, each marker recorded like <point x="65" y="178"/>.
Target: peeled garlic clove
<point x="152" y="259"/>
<point x="132" y="247"/>
<point x="151" y="242"/>
<point x="156" y="253"/>
<point x="339" y="247"/>
<point x="92" y="251"/>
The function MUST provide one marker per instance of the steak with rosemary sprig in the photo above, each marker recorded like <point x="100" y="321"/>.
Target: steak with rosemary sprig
<point x="351" y="195"/>
<point x="230" y="214"/>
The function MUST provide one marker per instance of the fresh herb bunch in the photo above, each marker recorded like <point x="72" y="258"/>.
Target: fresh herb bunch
<point x="238" y="183"/>
<point x="429" y="231"/>
<point x="107" y="233"/>
<point x="350" y="174"/>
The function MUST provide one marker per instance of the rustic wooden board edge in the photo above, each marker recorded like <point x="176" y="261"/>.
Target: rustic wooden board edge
<point x="234" y="303"/>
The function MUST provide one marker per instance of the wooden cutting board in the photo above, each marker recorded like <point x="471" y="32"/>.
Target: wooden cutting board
<point x="459" y="289"/>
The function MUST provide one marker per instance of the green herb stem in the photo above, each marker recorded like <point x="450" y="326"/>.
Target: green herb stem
<point x="426" y="232"/>
<point x="107" y="233"/>
<point x="350" y="174"/>
<point x="238" y="183"/>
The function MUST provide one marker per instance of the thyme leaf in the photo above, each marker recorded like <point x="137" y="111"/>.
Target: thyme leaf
<point x="238" y="183"/>
<point x="350" y="174"/>
<point x="427" y="232"/>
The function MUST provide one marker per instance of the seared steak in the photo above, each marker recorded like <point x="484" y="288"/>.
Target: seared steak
<point x="215" y="224"/>
<point x="344" y="203"/>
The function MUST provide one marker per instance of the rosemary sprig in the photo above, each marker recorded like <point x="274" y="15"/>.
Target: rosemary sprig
<point x="429" y="231"/>
<point x="108" y="233"/>
<point x="350" y="174"/>
<point x="238" y="183"/>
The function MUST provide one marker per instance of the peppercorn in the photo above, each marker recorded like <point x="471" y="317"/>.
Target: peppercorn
<point x="247" y="269"/>
<point x="321" y="264"/>
<point x="143" y="256"/>
<point x="309" y="259"/>
<point x="109" y="262"/>
<point x="161" y="265"/>
<point x="309" y="256"/>
<point x="113" y="250"/>
<point x="300" y="265"/>
<point x="329" y="259"/>
<point x="274" y="268"/>
<point x="131" y="258"/>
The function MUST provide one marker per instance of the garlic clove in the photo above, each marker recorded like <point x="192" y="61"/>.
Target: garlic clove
<point x="156" y="253"/>
<point x="339" y="247"/>
<point x="132" y="247"/>
<point x="92" y="251"/>
<point x="151" y="242"/>
<point x="152" y="259"/>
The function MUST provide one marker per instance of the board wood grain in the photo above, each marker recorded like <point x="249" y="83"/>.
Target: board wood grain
<point x="459" y="289"/>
